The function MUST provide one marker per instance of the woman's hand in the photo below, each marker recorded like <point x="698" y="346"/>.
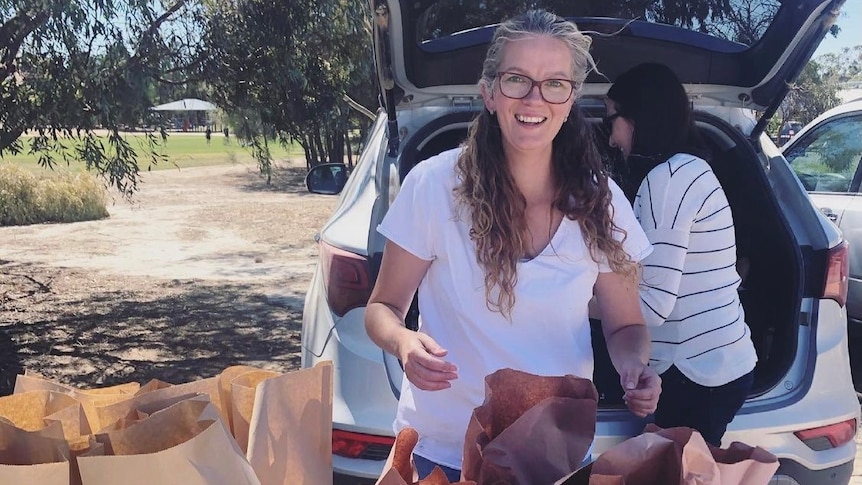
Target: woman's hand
<point x="423" y="363"/>
<point x="642" y="386"/>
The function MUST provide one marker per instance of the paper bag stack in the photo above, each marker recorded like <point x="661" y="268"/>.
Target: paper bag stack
<point x="536" y="430"/>
<point x="676" y="456"/>
<point x="246" y="426"/>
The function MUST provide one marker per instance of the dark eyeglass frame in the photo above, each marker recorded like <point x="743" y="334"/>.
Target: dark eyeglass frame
<point x="608" y="121"/>
<point x="533" y="84"/>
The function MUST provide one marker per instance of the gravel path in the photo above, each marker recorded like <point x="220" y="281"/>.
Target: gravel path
<point x="205" y="268"/>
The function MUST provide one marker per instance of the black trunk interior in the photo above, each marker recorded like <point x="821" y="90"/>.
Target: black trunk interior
<point x="771" y="290"/>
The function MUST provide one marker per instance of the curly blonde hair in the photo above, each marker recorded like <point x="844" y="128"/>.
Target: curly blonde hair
<point x="494" y="203"/>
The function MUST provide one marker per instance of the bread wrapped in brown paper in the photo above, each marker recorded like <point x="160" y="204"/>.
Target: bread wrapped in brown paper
<point x="677" y="456"/>
<point x="530" y="429"/>
<point x="399" y="470"/>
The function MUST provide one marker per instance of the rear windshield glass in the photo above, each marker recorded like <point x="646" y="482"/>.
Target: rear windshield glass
<point x="739" y="21"/>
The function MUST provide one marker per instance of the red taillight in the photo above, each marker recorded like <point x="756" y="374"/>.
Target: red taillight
<point x="826" y="437"/>
<point x="346" y="275"/>
<point x="837" y="273"/>
<point x="354" y="445"/>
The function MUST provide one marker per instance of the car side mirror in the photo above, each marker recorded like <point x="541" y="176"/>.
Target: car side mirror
<point x="326" y="178"/>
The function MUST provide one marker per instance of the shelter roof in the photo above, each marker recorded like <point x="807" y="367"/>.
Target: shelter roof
<point x="187" y="104"/>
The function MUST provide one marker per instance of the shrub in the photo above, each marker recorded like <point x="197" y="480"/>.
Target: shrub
<point x="28" y="199"/>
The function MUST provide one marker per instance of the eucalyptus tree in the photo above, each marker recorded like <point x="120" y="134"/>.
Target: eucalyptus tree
<point x="70" y="67"/>
<point x="284" y="69"/>
<point x="842" y="66"/>
<point x="811" y="94"/>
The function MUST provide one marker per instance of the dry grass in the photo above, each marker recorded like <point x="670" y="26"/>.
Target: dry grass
<point x="68" y="197"/>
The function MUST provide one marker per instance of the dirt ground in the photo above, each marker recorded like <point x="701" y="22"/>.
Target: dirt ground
<point x="205" y="268"/>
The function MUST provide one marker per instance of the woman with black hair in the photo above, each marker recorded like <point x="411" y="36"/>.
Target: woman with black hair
<point x="701" y="345"/>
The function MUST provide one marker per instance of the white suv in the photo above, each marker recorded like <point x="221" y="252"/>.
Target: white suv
<point x="429" y="54"/>
<point x="826" y="156"/>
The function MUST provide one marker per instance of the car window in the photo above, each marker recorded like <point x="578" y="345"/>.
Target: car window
<point x="826" y="158"/>
<point x="718" y="19"/>
<point x="363" y="172"/>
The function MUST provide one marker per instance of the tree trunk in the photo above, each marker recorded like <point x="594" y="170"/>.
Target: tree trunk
<point x="308" y="148"/>
<point x="319" y="150"/>
<point x="349" y="152"/>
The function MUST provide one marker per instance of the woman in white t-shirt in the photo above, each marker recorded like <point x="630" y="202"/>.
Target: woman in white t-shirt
<point x="506" y="239"/>
<point x="701" y="344"/>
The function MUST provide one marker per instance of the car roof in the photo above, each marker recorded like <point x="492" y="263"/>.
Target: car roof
<point x="420" y="57"/>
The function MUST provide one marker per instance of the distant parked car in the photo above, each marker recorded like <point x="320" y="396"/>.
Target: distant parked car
<point x="429" y="55"/>
<point x="788" y="129"/>
<point x="825" y="155"/>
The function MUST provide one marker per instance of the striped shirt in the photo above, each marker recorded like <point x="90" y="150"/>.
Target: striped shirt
<point x="689" y="283"/>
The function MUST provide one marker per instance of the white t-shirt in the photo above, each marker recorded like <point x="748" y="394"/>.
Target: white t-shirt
<point x="689" y="285"/>
<point x="549" y="332"/>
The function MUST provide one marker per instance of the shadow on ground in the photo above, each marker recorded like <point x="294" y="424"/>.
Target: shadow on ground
<point x="288" y="179"/>
<point x="10" y="363"/>
<point x="78" y="329"/>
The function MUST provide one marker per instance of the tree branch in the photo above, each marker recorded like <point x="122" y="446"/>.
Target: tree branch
<point x="12" y="36"/>
<point x="148" y="35"/>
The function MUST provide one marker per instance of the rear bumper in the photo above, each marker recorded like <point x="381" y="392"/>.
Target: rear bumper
<point x="339" y="479"/>
<point x="357" y="469"/>
<point x="827" y="398"/>
<point x="792" y="473"/>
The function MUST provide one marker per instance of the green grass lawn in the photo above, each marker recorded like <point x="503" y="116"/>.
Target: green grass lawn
<point x="183" y="150"/>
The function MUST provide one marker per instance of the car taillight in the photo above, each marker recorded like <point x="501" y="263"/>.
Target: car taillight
<point x="358" y="445"/>
<point x="346" y="275"/>
<point x="826" y="437"/>
<point x="837" y="273"/>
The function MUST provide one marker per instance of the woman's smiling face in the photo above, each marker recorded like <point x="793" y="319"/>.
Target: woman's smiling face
<point x="529" y="125"/>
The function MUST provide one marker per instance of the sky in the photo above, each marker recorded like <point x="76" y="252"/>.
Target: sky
<point x="849" y="20"/>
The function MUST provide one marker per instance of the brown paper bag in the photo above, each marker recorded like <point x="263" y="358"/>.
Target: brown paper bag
<point x="290" y="431"/>
<point x="530" y="429"/>
<point x="110" y="414"/>
<point x="677" y="456"/>
<point x="286" y="420"/>
<point x="186" y="443"/>
<point x="399" y="469"/>
<point x="648" y="459"/>
<point x="738" y="464"/>
<point x="43" y="474"/>
<point x="102" y="395"/>
<point x="89" y="399"/>
<point x="40" y="456"/>
<point x="35" y="410"/>
<point x="225" y="378"/>
<point x="243" y="393"/>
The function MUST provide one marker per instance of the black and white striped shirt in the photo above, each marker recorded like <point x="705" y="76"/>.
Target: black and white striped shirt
<point x="689" y="283"/>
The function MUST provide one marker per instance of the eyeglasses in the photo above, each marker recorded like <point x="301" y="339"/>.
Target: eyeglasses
<point x="608" y="121"/>
<point x="519" y="86"/>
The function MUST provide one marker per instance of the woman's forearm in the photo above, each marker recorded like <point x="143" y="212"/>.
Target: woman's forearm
<point x="384" y="327"/>
<point x="628" y="343"/>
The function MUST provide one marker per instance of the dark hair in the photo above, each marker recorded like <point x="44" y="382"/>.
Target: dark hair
<point x="652" y="97"/>
<point x="488" y="192"/>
